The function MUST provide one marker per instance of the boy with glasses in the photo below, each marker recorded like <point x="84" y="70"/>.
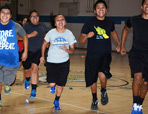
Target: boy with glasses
<point x="35" y="33"/>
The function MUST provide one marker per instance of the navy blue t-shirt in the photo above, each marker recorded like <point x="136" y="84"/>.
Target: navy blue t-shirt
<point x="35" y="43"/>
<point x="100" y="43"/>
<point x="140" y="32"/>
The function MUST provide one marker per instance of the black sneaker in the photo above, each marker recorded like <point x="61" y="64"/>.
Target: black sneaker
<point x="94" y="105"/>
<point x="104" y="98"/>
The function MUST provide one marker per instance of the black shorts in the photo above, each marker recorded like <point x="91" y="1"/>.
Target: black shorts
<point x="57" y="72"/>
<point x="46" y="55"/>
<point x="138" y="61"/>
<point x="33" y="57"/>
<point x="95" y="64"/>
<point x="20" y="56"/>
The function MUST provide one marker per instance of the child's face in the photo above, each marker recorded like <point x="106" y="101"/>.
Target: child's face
<point x="100" y="10"/>
<point x="145" y="7"/>
<point x="34" y="18"/>
<point x="24" y="21"/>
<point x="60" y="21"/>
<point x="5" y="16"/>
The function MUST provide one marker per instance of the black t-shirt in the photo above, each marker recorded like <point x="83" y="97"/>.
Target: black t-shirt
<point x="100" y="43"/>
<point x="140" y="32"/>
<point x="35" y="43"/>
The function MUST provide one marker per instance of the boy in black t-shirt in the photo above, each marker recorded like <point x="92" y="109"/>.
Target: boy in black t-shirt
<point x="138" y="56"/>
<point x="97" y="64"/>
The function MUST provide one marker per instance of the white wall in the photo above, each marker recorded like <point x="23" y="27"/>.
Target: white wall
<point x="24" y="6"/>
<point x="117" y="8"/>
<point x="124" y="7"/>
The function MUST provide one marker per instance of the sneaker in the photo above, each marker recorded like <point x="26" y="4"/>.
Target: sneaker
<point x="104" y="98"/>
<point x="7" y="89"/>
<point x="52" y="89"/>
<point x="27" y="84"/>
<point x="94" y="105"/>
<point x="33" y="94"/>
<point x="135" y="109"/>
<point x="56" y="105"/>
<point x="140" y="109"/>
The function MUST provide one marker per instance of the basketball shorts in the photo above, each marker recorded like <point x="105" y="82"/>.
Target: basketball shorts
<point x="20" y="56"/>
<point x="138" y="61"/>
<point x="57" y="72"/>
<point x="33" y="57"/>
<point x="95" y="64"/>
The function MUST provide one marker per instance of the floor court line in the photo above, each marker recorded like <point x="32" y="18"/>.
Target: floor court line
<point x="61" y="103"/>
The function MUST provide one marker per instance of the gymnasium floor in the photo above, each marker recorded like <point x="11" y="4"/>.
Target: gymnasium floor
<point x="76" y="98"/>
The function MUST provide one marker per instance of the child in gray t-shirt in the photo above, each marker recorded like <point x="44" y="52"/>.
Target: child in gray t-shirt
<point x="61" y="45"/>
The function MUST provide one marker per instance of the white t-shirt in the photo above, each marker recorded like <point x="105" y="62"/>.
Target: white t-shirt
<point x="56" y="39"/>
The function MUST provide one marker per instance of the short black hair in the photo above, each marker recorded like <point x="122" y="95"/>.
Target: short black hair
<point x="33" y="11"/>
<point x="99" y="1"/>
<point x="58" y="15"/>
<point x="143" y="2"/>
<point x="6" y="7"/>
<point x="24" y="17"/>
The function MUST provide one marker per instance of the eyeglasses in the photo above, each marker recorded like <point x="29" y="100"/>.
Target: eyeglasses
<point x="6" y="13"/>
<point x="34" y="16"/>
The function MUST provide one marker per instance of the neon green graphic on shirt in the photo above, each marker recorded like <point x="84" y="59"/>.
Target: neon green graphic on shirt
<point x="102" y="32"/>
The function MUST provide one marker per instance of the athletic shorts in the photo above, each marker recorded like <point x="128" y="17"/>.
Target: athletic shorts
<point x="7" y="75"/>
<point x="20" y="56"/>
<point x="95" y="64"/>
<point x="33" y="57"/>
<point x="138" y="61"/>
<point x="57" y="73"/>
<point x="46" y="55"/>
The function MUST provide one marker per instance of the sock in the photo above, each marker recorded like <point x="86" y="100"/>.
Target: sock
<point x="57" y="97"/>
<point x="94" y="95"/>
<point x="28" y="79"/>
<point x="34" y="86"/>
<point x="141" y="100"/>
<point x="136" y="99"/>
<point x="103" y="89"/>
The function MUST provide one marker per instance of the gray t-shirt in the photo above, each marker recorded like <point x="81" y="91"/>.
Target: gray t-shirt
<point x="56" y="39"/>
<point x="19" y="30"/>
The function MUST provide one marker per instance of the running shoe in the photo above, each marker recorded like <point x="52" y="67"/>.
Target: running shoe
<point x="33" y="94"/>
<point x="135" y="109"/>
<point x="56" y="105"/>
<point x="27" y="83"/>
<point x="104" y="98"/>
<point x="94" y="105"/>
<point x="53" y="89"/>
<point x="7" y="89"/>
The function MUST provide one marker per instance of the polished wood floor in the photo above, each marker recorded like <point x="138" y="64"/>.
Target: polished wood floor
<point x="76" y="98"/>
